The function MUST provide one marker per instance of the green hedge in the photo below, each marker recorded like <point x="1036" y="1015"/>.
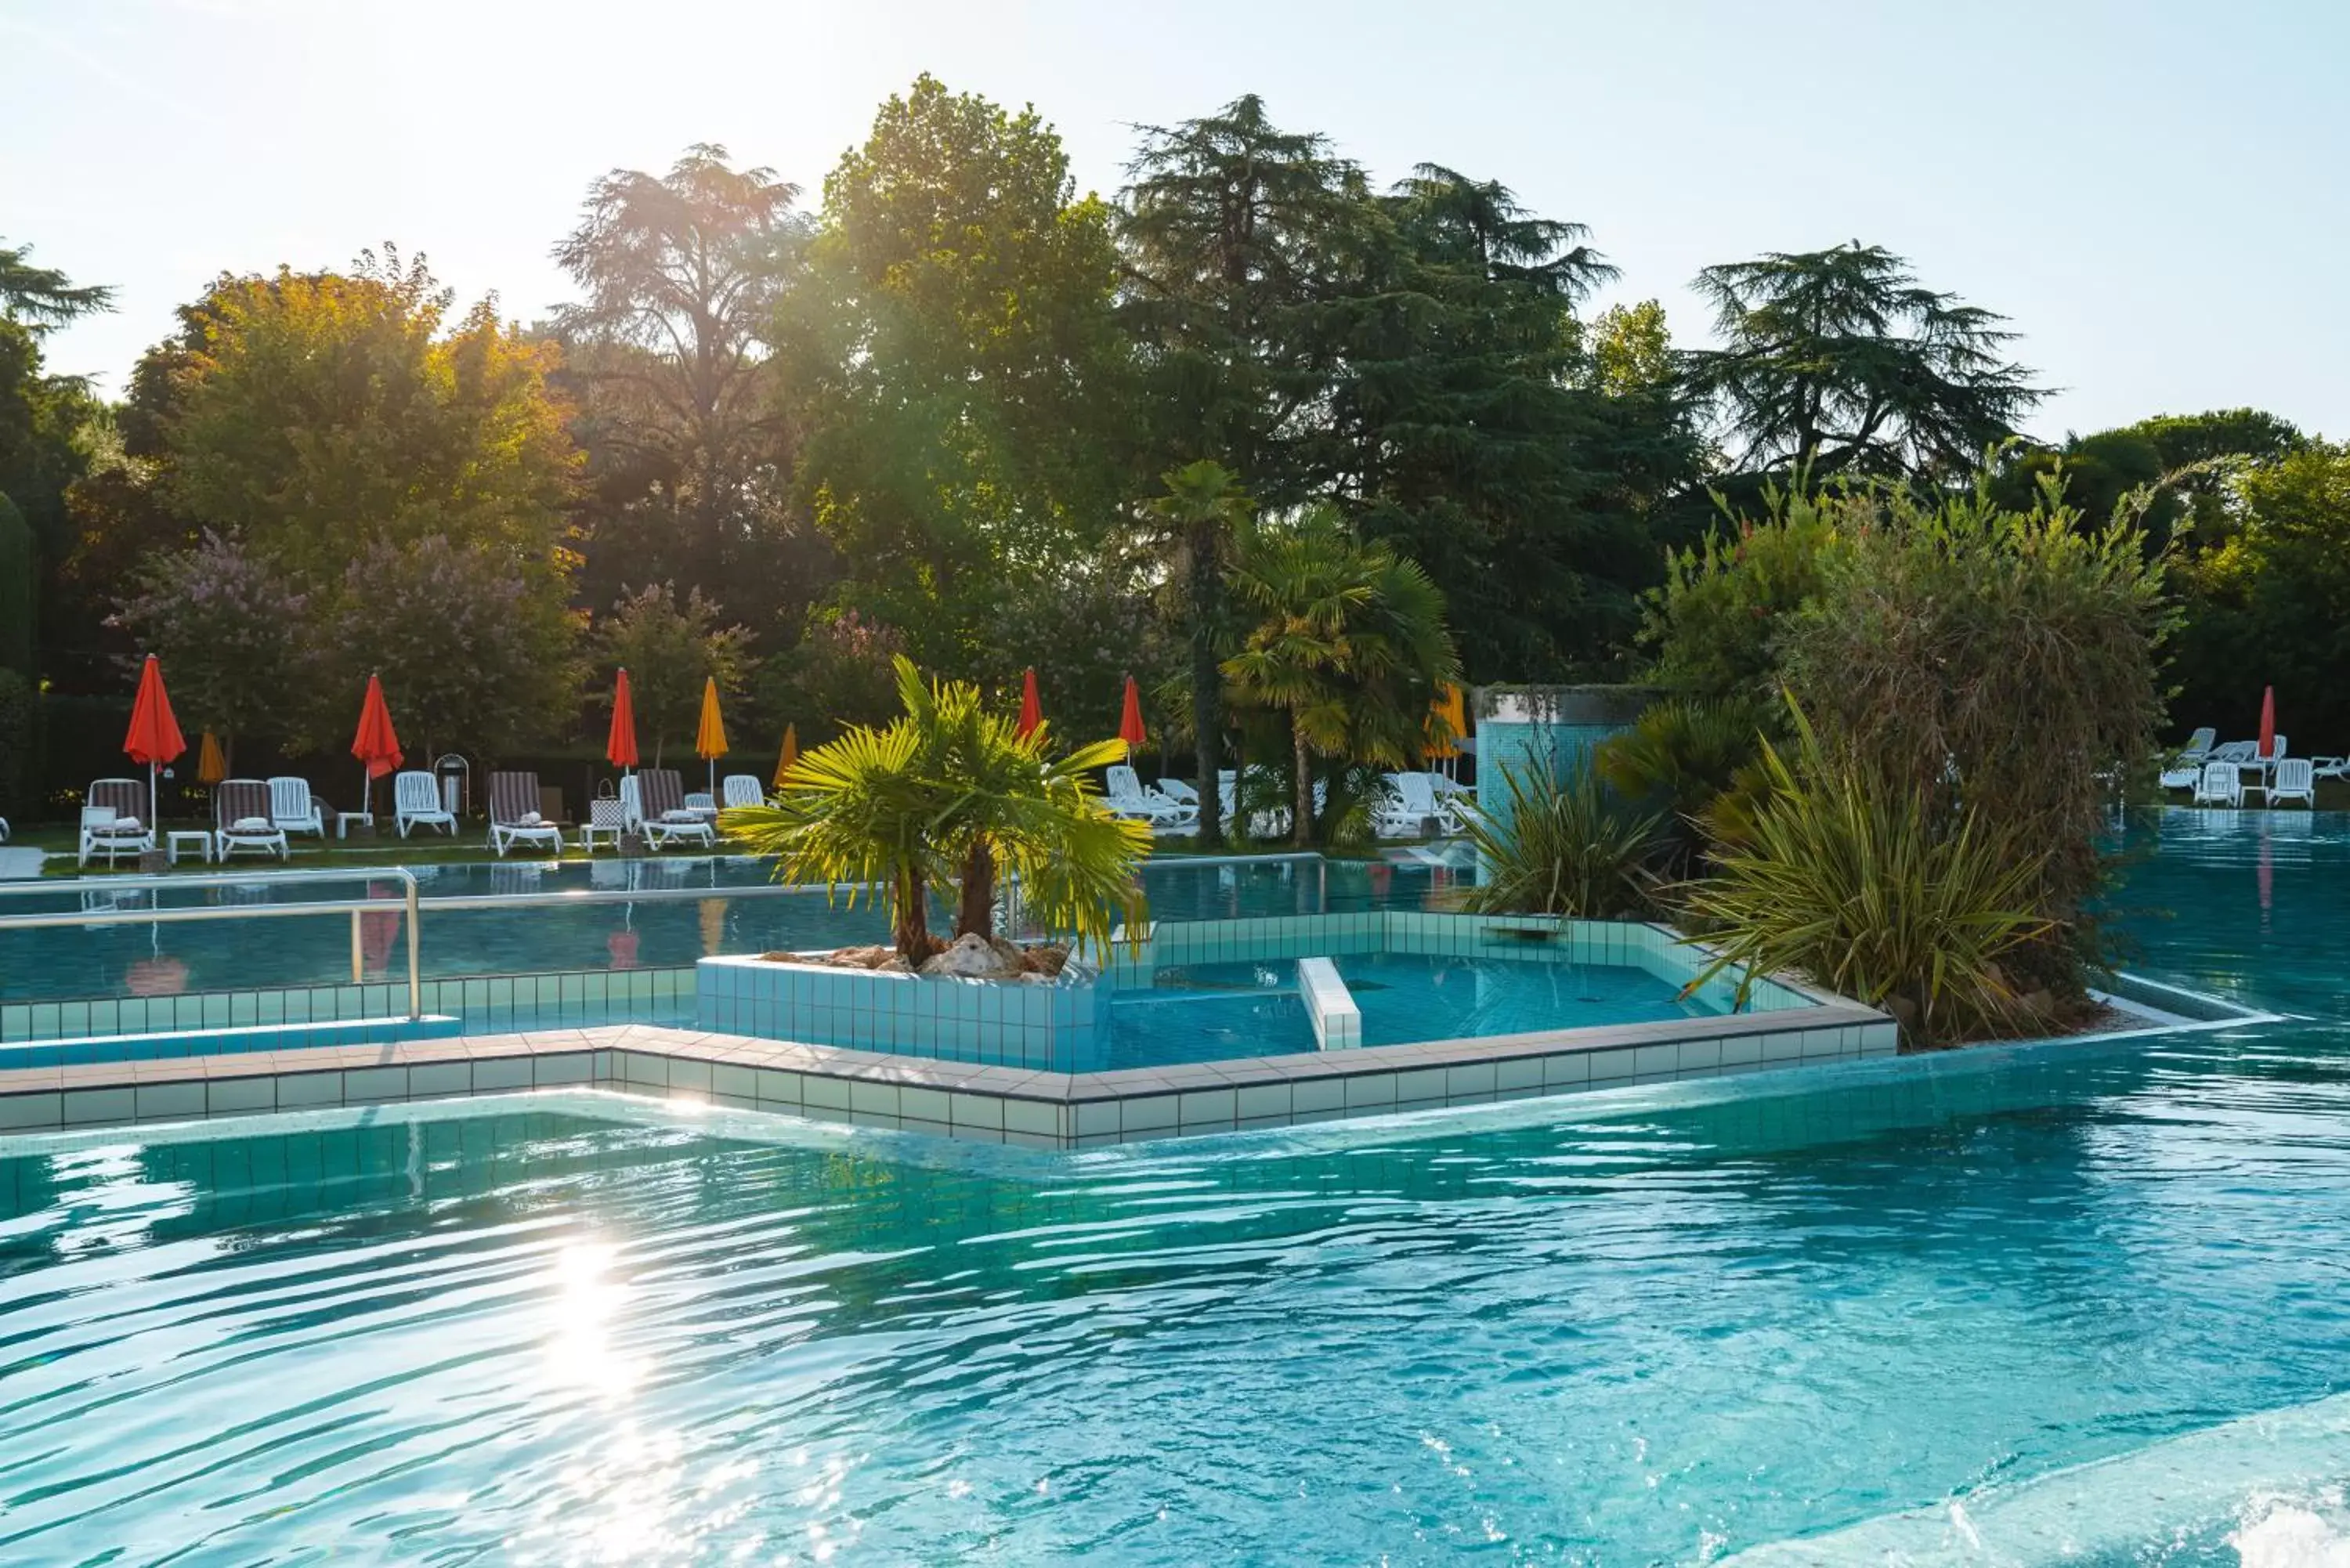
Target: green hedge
<point x="20" y="747"/>
<point x="19" y="593"/>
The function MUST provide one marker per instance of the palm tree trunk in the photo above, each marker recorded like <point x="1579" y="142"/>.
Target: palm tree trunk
<point x="910" y="919"/>
<point x="975" y="916"/>
<point x="1301" y="761"/>
<point x="1206" y="687"/>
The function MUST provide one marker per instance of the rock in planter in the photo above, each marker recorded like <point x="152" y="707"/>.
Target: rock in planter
<point x="973" y="957"/>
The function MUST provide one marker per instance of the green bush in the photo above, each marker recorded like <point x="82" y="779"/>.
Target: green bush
<point x="1567" y="848"/>
<point x="1715" y="625"/>
<point x="1867" y="891"/>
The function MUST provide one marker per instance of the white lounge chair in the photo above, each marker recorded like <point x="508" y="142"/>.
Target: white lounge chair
<point x="2222" y="784"/>
<point x="2185" y="768"/>
<point x="292" y="810"/>
<point x="2296" y="779"/>
<point x="740" y="789"/>
<point x="111" y="821"/>
<point x="1124" y="796"/>
<point x="701" y="803"/>
<point x="515" y="815"/>
<point x="1408" y="804"/>
<point x="416" y="802"/>
<point x="1181" y="791"/>
<point x="241" y="820"/>
<point x="652" y="802"/>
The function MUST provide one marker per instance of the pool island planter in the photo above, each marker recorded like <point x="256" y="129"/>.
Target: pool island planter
<point x="1061" y="1023"/>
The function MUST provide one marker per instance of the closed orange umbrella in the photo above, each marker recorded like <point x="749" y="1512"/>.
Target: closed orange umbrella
<point x="377" y="744"/>
<point x="154" y="737"/>
<point x="1129" y="722"/>
<point x="1032" y="711"/>
<point x="710" y="735"/>
<point x="620" y="745"/>
<point x="791" y="754"/>
<point x="212" y="762"/>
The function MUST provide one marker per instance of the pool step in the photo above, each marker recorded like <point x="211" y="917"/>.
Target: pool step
<point x="226" y="1041"/>
<point x="1329" y="1005"/>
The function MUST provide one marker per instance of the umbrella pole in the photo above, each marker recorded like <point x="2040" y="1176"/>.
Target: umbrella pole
<point x="154" y="800"/>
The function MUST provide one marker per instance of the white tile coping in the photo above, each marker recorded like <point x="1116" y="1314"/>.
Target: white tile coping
<point x="1330" y="1007"/>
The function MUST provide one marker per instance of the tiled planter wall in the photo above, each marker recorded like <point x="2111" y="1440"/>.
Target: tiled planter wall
<point x="1061" y="1026"/>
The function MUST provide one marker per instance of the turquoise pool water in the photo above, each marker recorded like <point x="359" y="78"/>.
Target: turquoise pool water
<point x="1201" y="1013"/>
<point x="1667" y="1324"/>
<point x="673" y="927"/>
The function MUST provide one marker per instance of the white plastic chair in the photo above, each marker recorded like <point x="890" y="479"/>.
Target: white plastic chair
<point x="2186" y="767"/>
<point x="2296" y="779"/>
<point x="416" y="802"/>
<point x="1124" y="797"/>
<point x="241" y="820"/>
<point x="2222" y="784"/>
<point x="1407" y="806"/>
<point x="291" y="809"/>
<point x="740" y="789"/>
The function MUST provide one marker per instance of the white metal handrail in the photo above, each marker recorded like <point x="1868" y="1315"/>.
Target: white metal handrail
<point x="355" y="907"/>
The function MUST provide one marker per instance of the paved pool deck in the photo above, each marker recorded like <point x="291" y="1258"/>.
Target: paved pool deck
<point x="953" y="1099"/>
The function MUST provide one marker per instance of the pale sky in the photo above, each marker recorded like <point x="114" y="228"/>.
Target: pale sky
<point x="2153" y="191"/>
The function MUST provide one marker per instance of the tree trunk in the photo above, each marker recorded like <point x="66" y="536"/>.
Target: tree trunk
<point x="909" y="919"/>
<point x="1302" y="761"/>
<point x="1207" y="686"/>
<point x="976" y="914"/>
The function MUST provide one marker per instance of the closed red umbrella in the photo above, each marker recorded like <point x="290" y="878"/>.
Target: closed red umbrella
<point x="154" y="737"/>
<point x="377" y="744"/>
<point x="1032" y="711"/>
<point x="620" y="746"/>
<point x="2268" y="724"/>
<point x="1129" y="722"/>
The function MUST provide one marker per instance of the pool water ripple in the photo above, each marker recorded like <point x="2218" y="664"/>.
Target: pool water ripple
<point x="1661" y="1325"/>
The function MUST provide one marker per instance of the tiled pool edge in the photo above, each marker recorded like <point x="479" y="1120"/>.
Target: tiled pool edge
<point x="965" y="1100"/>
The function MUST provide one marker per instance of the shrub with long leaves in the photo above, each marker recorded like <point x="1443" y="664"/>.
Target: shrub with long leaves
<point x="1565" y="848"/>
<point x="1870" y="892"/>
<point x="950" y="794"/>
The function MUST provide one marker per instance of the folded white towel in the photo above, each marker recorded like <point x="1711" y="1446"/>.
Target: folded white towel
<point x="530" y="819"/>
<point x="249" y="825"/>
<point x="681" y="815"/>
<point x="121" y="824"/>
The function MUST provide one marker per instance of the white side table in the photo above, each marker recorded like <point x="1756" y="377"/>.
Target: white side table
<point x="183" y="837"/>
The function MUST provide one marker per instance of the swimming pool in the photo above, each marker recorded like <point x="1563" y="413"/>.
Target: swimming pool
<point x="1253" y="1008"/>
<point x="1665" y="1325"/>
<point x="685" y="910"/>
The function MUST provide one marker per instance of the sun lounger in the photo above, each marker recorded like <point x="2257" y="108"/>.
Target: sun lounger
<point x="416" y="802"/>
<point x="515" y="816"/>
<point x="113" y="821"/>
<point x="292" y="810"/>
<point x="241" y="819"/>
<point x="653" y="802"/>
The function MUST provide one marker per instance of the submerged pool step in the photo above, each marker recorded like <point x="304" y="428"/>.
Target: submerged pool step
<point x="228" y="1040"/>
<point x="1329" y="1006"/>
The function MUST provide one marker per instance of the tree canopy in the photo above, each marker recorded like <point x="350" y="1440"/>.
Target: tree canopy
<point x="1840" y="361"/>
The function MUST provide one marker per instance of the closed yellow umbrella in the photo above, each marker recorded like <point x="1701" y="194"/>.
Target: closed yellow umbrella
<point x="1448" y="720"/>
<point x="212" y="766"/>
<point x="710" y="735"/>
<point x="791" y="754"/>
